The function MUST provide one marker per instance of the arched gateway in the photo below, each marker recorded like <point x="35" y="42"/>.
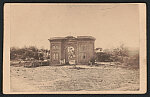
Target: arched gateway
<point x="79" y="49"/>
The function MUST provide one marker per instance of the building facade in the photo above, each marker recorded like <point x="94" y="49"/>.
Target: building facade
<point x="79" y="49"/>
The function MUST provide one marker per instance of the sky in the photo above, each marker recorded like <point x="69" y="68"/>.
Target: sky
<point x="111" y="24"/>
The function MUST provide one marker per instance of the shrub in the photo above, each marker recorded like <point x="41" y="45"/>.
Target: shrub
<point x="104" y="57"/>
<point x="27" y="53"/>
<point x="133" y="61"/>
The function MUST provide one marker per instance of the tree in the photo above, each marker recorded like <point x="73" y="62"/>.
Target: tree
<point x="113" y="55"/>
<point x="104" y="57"/>
<point x="120" y="52"/>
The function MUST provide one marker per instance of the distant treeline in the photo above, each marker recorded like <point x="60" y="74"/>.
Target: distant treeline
<point x="28" y="53"/>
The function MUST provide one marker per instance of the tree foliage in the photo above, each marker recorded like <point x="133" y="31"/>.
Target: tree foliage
<point x="113" y="55"/>
<point x="120" y="54"/>
<point x="27" y="53"/>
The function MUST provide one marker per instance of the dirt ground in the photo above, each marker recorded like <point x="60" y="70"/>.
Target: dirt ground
<point x="68" y="78"/>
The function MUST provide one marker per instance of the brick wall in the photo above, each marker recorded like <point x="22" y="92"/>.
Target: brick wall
<point x="80" y="50"/>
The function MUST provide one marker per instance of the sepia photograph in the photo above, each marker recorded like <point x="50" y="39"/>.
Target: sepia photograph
<point x="74" y="48"/>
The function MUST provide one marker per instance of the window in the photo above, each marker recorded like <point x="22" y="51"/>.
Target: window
<point x="54" y="47"/>
<point x="55" y="56"/>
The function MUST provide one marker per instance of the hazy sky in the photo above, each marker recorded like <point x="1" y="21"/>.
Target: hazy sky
<point x="110" y="24"/>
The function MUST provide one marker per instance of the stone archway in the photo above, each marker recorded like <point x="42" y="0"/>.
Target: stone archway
<point x="70" y="53"/>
